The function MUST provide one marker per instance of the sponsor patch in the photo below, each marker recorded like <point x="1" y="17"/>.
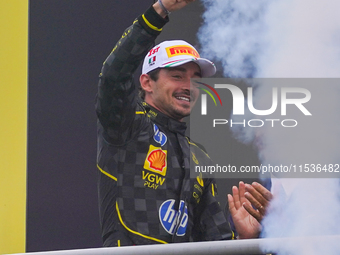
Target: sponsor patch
<point x="181" y="50"/>
<point x="182" y="219"/>
<point x="152" y="114"/>
<point x="159" y="136"/>
<point x="152" y="181"/>
<point x="172" y="219"/>
<point x="156" y="160"/>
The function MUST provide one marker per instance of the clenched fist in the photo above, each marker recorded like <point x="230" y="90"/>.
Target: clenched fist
<point x="171" y="5"/>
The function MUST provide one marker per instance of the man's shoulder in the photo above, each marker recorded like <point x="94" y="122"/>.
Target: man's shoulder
<point x="196" y="144"/>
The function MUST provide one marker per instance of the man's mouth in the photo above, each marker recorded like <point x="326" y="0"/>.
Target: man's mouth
<point x="187" y="99"/>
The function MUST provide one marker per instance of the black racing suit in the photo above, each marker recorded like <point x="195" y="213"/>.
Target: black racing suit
<point x="146" y="195"/>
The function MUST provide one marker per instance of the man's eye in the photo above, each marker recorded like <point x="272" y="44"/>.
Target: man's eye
<point x="177" y="76"/>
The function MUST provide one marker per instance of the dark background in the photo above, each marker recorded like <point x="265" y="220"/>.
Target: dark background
<point x="68" y="42"/>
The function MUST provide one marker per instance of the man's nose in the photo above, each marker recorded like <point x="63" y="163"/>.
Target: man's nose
<point x="186" y="85"/>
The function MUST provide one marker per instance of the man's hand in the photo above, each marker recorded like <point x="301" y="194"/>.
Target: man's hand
<point x="246" y="225"/>
<point x="259" y="197"/>
<point x="170" y="5"/>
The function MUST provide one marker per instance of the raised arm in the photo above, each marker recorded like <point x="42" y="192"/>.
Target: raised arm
<point x="117" y="95"/>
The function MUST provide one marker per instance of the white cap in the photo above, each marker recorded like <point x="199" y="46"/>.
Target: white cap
<point x="176" y="53"/>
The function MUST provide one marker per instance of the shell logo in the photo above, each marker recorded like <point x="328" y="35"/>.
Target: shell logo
<point x="156" y="160"/>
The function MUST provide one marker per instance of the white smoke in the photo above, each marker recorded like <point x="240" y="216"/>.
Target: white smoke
<point x="287" y="39"/>
<point x="233" y="34"/>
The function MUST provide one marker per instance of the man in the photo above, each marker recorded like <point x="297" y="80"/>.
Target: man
<point x="146" y="195"/>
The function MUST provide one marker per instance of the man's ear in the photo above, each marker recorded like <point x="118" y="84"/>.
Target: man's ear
<point x="145" y="82"/>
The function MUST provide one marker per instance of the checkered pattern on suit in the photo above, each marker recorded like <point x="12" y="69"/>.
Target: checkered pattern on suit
<point x="130" y="195"/>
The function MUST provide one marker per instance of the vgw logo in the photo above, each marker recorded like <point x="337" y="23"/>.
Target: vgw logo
<point x="173" y="220"/>
<point x="239" y="104"/>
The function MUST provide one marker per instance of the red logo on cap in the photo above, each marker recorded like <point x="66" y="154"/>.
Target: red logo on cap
<point x="181" y="50"/>
<point x="153" y="51"/>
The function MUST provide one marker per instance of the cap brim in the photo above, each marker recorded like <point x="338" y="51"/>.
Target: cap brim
<point x="208" y="68"/>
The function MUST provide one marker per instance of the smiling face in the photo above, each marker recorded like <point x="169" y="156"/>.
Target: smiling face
<point x="172" y="93"/>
